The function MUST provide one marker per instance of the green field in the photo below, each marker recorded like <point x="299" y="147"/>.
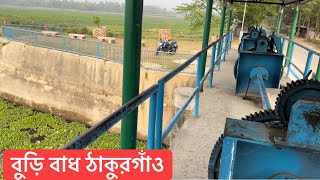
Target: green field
<point x="114" y="22"/>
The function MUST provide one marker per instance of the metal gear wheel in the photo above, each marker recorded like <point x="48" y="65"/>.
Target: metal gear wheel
<point x="303" y="89"/>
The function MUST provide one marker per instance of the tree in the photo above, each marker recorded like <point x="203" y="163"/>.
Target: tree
<point x="256" y="13"/>
<point x="96" y="20"/>
<point x="194" y="12"/>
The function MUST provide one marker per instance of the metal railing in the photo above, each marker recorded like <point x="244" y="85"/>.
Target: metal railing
<point x="156" y="94"/>
<point x="37" y="27"/>
<point x="160" y="61"/>
<point x="299" y="73"/>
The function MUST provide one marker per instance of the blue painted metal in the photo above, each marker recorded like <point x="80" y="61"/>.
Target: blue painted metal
<point x="12" y="35"/>
<point x="227" y="157"/>
<point x="152" y="121"/>
<point x="213" y="57"/>
<point x="36" y="39"/>
<point x="65" y="43"/>
<point x="248" y="61"/>
<point x="220" y="52"/>
<point x="177" y="116"/>
<point x="293" y="73"/>
<point x="290" y="59"/>
<point x="226" y="48"/>
<point x="308" y="65"/>
<point x="248" y="43"/>
<point x="98" y="50"/>
<point x="105" y="124"/>
<point x="252" y="150"/>
<point x="196" y="106"/>
<point x="262" y="45"/>
<point x="304" y="125"/>
<point x="159" y="114"/>
<point x="302" y="46"/>
<point x="263" y="92"/>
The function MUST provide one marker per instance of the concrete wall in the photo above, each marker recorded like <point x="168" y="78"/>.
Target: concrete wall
<point x="72" y="86"/>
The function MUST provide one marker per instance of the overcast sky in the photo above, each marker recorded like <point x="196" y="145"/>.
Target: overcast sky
<point x="169" y="4"/>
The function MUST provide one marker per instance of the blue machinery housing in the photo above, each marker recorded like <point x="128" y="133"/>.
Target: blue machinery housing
<point x="254" y="150"/>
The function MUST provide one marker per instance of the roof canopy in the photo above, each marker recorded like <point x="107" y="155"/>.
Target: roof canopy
<point x="276" y="2"/>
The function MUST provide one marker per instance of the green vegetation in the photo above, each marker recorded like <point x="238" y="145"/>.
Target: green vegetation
<point x="24" y="128"/>
<point x="74" y="21"/>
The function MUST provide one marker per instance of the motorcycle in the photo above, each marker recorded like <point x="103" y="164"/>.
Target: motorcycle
<point x="165" y="46"/>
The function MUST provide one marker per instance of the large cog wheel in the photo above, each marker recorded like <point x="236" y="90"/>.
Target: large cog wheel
<point x="215" y="157"/>
<point x="296" y="90"/>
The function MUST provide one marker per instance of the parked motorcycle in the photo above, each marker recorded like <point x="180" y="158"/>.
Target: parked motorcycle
<point x="165" y="46"/>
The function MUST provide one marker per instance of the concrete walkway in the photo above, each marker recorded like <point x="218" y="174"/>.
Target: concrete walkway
<point x="194" y="142"/>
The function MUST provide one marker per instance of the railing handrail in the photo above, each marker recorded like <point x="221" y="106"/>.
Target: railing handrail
<point x="300" y="45"/>
<point x="105" y="124"/>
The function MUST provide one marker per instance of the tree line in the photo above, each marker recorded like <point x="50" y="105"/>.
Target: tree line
<point x="102" y="6"/>
<point x="255" y="14"/>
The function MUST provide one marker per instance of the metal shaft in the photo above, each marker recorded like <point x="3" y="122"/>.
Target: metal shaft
<point x="293" y="30"/>
<point x="131" y="69"/>
<point x="206" y="34"/>
<point x="263" y="92"/>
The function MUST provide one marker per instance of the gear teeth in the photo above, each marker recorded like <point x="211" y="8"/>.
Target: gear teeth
<point x="262" y="116"/>
<point x="285" y="94"/>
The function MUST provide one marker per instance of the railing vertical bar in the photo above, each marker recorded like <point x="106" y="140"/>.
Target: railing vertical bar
<point x="65" y="43"/>
<point x="308" y="64"/>
<point x="152" y="121"/>
<point x="290" y="60"/>
<point x="225" y="49"/>
<point x="159" y="114"/>
<point x="213" y="57"/>
<point x="196" y="107"/>
<point x="36" y="39"/>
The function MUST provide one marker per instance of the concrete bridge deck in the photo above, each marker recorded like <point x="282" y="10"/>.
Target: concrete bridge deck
<point x="194" y="142"/>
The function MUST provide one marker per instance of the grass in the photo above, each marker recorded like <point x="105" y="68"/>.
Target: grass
<point x="24" y="128"/>
<point x="114" y="22"/>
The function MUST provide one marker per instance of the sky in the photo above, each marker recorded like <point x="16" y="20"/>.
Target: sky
<point x="169" y="4"/>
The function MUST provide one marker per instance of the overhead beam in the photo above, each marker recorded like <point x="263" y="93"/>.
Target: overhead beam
<point x="260" y="2"/>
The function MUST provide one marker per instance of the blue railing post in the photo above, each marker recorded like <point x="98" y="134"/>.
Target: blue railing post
<point x="196" y="106"/>
<point x="228" y="44"/>
<point x="159" y="114"/>
<point x="36" y="39"/>
<point x="213" y="57"/>
<point x="290" y="60"/>
<point x="219" y="59"/>
<point x="308" y="64"/>
<point x="12" y="33"/>
<point x="231" y="39"/>
<point x="152" y="121"/>
<point x="98" y="50"/>
<point x="64" y="43"/>
<point x="225" y="49"/>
